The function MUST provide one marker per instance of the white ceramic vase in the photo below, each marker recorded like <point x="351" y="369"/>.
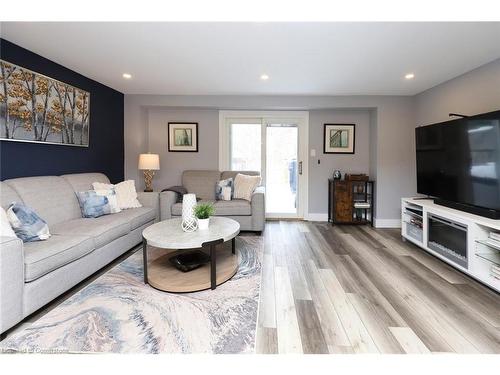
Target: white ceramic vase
<point x="189" y="223"/>
<point x="203" y="224"/>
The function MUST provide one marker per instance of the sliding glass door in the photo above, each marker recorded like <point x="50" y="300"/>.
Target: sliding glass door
<point x="282" y="172"/>
<point x="276" y="145"/>
<point x="245" y="146"/>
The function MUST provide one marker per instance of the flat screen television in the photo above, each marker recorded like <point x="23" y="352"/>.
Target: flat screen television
<point x="458" y="163"/>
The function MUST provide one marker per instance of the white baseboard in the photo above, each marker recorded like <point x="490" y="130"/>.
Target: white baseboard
<point x="316" y="217"/>
<point x="379" y="223"/>
<point x="387" y="223"/>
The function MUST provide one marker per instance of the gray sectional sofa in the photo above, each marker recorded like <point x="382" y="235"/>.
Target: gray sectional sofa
<point x="34" y="273"/>
<point x="250" y="215"/>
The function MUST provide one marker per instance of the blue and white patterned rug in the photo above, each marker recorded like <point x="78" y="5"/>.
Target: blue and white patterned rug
<point x="118" y="313"/>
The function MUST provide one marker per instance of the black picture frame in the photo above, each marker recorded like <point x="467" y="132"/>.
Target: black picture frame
<point x="194" y="137"/>
<point x="328" y="150"/>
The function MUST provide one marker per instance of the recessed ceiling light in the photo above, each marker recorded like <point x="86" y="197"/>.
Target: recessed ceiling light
<point x="264" y="77"/>
<point x="126" y="75"/>
<point x="410" y="76"/>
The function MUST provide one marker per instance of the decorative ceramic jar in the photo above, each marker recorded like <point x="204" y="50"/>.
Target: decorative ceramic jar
<point x="189" y="223"/>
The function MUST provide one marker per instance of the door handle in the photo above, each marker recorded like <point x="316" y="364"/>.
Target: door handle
<point x="300" y="167"/>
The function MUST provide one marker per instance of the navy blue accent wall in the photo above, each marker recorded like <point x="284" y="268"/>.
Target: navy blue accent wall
<point x="106" y="151"/>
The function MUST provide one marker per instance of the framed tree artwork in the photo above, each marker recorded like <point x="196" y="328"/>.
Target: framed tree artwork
<point x="36" y="108"/>
<point x="339" y="138"/>
<point x="183" y="137"/>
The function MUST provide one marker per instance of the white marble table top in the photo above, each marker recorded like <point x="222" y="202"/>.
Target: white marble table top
<point x="168" y="234"/>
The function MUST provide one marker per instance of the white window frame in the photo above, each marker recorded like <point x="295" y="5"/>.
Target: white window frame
<point x="301" y="118"/>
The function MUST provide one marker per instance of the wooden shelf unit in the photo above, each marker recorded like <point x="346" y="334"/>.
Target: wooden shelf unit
<point x="343" y="195"/>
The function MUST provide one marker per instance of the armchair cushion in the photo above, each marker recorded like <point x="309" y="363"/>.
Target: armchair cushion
<point x="201" y="183"/>
<point x="235" y="207"/>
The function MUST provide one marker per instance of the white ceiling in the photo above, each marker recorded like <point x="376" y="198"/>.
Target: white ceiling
<point x="228" y="58"/>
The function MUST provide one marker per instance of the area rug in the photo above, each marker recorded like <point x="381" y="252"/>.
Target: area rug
<point x="118" y="313"/>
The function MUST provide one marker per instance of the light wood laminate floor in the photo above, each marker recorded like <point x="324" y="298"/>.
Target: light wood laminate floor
<point x="353" y="289"/>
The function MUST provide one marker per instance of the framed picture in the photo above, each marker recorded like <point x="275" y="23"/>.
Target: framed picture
<point x="183" y="137"/>
<point x="39" y="109"/>
<point x="338" y="139"/>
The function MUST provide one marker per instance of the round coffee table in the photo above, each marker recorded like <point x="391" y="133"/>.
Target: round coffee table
<point x="168" y="235"/>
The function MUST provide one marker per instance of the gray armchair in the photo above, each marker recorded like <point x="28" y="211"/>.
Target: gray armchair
<point x="250" y="215"/>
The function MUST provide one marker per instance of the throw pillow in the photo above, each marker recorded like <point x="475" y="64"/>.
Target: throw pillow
<point x="227" y="193"/>
<point x="27" y="225"/>
<point x="5" y="228"/>
<point x="125" y="193"/>
<point x="112" y="200"/>
<point x="92" y="204"/>
<point x="219" y="187"/>
<point x="244" y="186"/>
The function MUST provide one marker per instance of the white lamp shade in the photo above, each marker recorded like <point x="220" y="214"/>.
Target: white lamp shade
<point x="149" y="162"/>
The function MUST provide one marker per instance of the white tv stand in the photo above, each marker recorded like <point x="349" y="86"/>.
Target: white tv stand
<point x="481" y="257"/>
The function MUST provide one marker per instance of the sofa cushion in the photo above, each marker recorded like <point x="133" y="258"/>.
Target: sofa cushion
<point x="235" y="207"/>
<point x="232" y="174"/>
<point x="103" y="229"/>
<point x="83" y="181"/>
<point x="138" y="216"/>
<point x="51" y="197"/>
<point x="8" y="196"/>
<point x="201" y="183"/>
<point x="43" y="257"/>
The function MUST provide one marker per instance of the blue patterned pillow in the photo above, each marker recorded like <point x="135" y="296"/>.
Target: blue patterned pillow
<point x="93" y="204"/>
<point x="27" y="225"/>
<point x="221" y="184"/>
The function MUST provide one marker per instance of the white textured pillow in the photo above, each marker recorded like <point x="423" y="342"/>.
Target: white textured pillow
<point x="244" y="186"/>
<point x="126" y="194"/>
<point x="5" y="228"/>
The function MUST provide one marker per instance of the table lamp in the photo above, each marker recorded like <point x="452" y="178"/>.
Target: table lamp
<point x="149" y="163"/>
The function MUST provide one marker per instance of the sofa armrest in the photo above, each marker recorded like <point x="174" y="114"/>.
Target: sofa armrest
<point x="258" y="204"/>
<point x="150" y="199"/>
<point x="167" y="200"/>
<point x="11" y="282"/>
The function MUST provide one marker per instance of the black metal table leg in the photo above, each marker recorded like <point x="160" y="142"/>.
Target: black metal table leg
<point x="213" y="265"/>
<point x="145" y="259"/>
<point x="233" y="245"/>
<point x="213" y="261"/>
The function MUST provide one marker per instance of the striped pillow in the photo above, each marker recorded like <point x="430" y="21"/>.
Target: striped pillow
<point x="244" y="186"/>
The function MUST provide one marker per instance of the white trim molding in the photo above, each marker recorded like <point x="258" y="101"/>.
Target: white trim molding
<point x="378" y="223"/>
<point x="316" y="217"/>
<point x="387" y="223"/>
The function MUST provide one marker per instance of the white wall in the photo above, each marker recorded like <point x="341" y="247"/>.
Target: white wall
<point x="475" y="92"/>
<point x="173" y="163"/>
<point x="357" y="163"/>
<point x="386" y="123"/>
<point x="392" y="149"/>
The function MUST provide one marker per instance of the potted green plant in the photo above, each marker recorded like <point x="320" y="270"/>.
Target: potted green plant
<point x="203" y="211"/>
